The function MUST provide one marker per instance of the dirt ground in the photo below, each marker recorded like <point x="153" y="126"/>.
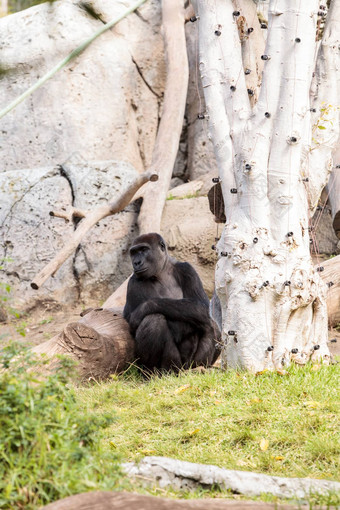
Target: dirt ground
<point x="48" y="320"/>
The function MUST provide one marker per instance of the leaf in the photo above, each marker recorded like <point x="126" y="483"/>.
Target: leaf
<point x="182" y="389"/>
<point x="281" y="372"/>
<point x="264" y="444"/>
<point x="112" y="445"/>
<point x="312" y="404"/>
<point x="255" y="400"/>
<point x="217" y="402"/>
<point x="261" y="372"/>
<point x="241" y="462"/>
<point x="277" y="457"/>
<point x="193" y="432"/>
<point x="321" y="127"/>
<point x="315" y="368"/>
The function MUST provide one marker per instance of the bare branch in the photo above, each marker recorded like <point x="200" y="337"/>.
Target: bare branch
<point x="170" y="127"/>
<point x="325" y="102"/>
<point x="252" y="45"/>
<point x="91" y="218"/>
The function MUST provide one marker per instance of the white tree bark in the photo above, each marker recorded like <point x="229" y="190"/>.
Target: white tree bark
<point x="273" y="300"/>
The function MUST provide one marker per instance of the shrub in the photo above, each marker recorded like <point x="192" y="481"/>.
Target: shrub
<point x="49" y="445"/>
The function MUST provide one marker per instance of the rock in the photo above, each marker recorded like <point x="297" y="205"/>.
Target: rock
<point x="189" y="230"/>
<point x="201" y="158"/>
<point x="182" y="475"/>
<point x="104" y="104"/>
<point x="30" y="237"/>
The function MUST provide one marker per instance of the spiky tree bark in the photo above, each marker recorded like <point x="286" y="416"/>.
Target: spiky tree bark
<point x="274" y="159"/>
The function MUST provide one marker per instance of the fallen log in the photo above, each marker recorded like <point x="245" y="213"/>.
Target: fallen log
<point x="179" y="474"/>
<point x="331" y="276"/>
<point x="333" y="188"/>
<point x="100" y="342"/>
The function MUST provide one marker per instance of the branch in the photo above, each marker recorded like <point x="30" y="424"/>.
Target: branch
<point x="252" y="45"/>
<point x="325" y="100"/>
<point x="90" y="219"/>
<point x="170" y="127"/>
<point x="213" y="76"/>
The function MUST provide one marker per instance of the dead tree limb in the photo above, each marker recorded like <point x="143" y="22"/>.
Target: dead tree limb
<point x="89" y="219"/>
<point x="252" y="45"/>
<point x="100" y="342"/>
<point x="331" y="276"/>
<point x="170" y="127"/>
<point x="333" y="188"/>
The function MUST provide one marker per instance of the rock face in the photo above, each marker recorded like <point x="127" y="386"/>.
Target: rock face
<point x="104" y="105"/>
<point x="189" y="230"/>
<point x="30" y="237"/>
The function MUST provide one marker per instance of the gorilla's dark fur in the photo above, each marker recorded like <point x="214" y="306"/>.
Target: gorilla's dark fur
<point x="168" y="310"/>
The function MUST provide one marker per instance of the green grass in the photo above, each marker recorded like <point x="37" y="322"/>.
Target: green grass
<point x="189" y="195"/>
<point x="280" y="425"/>
<point x="58" y="439"/>
<point x="49" y="444"/>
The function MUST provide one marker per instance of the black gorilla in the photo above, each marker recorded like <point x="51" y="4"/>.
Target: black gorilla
<point x="168" y="310"/>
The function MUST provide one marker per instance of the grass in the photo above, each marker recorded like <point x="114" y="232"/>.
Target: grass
<point x="189" y="195"/>
<point x="280" y="425"/>
<point x="49" y="444"/>
<point x="58" y="439"/>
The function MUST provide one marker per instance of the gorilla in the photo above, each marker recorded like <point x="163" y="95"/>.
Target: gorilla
<point x="168" y="310"/>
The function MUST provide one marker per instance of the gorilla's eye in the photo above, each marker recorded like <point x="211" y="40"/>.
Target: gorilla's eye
<point x="162" y="245"/>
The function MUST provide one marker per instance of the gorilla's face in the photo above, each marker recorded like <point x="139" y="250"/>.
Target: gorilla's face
<point x="148" y="255"/>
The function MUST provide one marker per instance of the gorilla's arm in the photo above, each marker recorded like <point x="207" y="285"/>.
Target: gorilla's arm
<point x="193" y="308"/>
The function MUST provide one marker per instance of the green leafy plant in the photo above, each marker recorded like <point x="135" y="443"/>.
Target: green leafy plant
<point x="49" y="444"/>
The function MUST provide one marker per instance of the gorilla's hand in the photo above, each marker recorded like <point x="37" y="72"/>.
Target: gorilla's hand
<point x="138" y="315"/>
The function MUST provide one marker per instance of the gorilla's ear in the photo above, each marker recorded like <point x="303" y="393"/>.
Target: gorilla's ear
<point x="162" y="245"/>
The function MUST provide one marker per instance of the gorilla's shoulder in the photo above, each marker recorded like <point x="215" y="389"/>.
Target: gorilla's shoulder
<point x="185" y="269"/>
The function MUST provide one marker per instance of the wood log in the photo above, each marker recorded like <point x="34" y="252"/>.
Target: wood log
<point x="170" y="127"/>
<point x="331" y="276"/>
<point x="100" y="342"/>
<point x="334" y="197"/>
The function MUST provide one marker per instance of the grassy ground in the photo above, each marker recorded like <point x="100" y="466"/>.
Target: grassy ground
<point x="283" y="425"/>
<point x="58" y="439"/>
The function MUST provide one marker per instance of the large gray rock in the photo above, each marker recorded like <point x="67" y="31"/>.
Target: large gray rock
<point x="103" y="105"/>
<point x="30" y="237"/>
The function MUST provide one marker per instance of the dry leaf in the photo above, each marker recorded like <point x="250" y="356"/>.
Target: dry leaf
<point x="255" y="400"/>
<point x="181" y="389"/>
<point x="315" y="367"/>
<point x="312" y="404"/>
<point x="241" y="462"/>
<point x="193" y="432"/>
<point x="217" y="402"/>
<point x="264" y="443"/>
<point x="261" y="372"/>
<point x="281" y="372"/>
<point x="279" y="457"/>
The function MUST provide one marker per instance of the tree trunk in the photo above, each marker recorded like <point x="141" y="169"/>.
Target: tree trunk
<point x="272" y="170"/>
